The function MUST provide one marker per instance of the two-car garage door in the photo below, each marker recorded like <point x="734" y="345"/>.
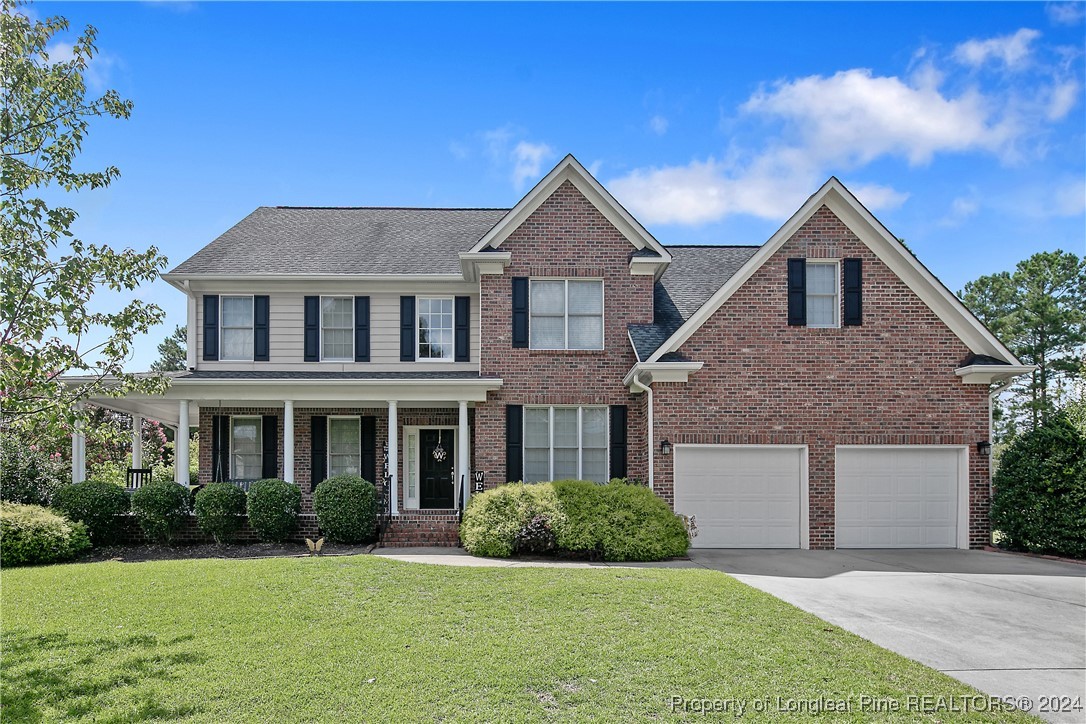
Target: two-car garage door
<point x="747" y="496"/>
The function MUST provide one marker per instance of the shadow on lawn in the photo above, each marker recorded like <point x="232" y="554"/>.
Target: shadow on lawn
<point x="57" y="674"/>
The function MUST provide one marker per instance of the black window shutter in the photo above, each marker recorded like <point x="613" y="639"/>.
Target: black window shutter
<point x="261" y="314"/>
<point x="312" y="339"/>
<point x="220" y="448"/>
<point x="407" y="329"/>
<point x="462" y="315"/>
<point x="318" y="450"/>
<point x="211" y="327"/>
<point x="269" y="437"/>
<point x="514" y="443"/>
<point x="520" y="311"/>
<point x="852" y="285"/>
<point x="361" y="329"/>
<point x="618" y="441"/>
<point x="797" y="292"/>
<point x="369" y="449"/>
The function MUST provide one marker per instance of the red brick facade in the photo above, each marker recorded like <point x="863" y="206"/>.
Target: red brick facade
<point x="565" y="237"/>
<point x="889" y="381"/>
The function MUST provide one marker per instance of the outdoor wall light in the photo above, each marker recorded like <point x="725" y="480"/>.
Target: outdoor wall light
<point x="984" y="447"/>
<point x="665" y="447"/>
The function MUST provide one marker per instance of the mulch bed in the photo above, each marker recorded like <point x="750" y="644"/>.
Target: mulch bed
<point x="157" y="552"/>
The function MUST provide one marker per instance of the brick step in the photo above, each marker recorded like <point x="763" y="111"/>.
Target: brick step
<point x="423" y="528"/>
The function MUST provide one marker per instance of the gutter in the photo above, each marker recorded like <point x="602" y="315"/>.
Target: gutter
<point x="635" y="381"/>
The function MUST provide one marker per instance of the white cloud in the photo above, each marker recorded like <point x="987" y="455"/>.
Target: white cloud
<point x="877" y="197"/>
<point x="1064" y="96"/>
<point x="658" y="125"/>
<point x="1069" y="199"/>
<point x="98" y="70"/>
<point x="1012" y="50"/>
<point x="528" y="159"/>
<point x="1066" y="13"/>
<point x="962" y="208"/>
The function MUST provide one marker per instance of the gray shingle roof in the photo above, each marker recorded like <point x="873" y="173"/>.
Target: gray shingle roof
<point x="315" y="240"/>
<point x="695" y="274"/>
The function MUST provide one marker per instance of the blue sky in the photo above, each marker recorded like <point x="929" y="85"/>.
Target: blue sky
<point x="960" y="125"/>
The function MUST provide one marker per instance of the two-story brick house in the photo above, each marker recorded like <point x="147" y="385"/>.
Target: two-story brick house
<point x="820" y="390"/>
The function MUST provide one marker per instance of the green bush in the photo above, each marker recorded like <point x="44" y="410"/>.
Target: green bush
<point x="27" y="474"/>
<point x="31" y="534"/>
<point x="617" y="521"/>
<point x="346" y="508"/>
<point x="160" y="508"/>
<point x="220" y="509"/>
<point x="1039" y="504"/>
<point x="96" y="505"/>
<point x="274" y="506"/>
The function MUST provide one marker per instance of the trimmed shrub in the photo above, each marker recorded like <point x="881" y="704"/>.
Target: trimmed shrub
<point x="1039" y="503"/>
<point x="617" y="521"/>
<point x="28" y="475"/>
<point x="346" y="508"/>
<point x="273" y="508"/>
<point x="31" y="534"/>
<point x="220" y="510"/>
<point x="95" y="505"/>
<point x="161" y="509"/>
<point x="496" y="518"/>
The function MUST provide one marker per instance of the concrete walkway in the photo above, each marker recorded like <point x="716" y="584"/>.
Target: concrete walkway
<point x="1008" y="625"/>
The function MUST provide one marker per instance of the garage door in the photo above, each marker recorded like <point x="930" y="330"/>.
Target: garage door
<point x="742" y="497"/>
<point x="897" y="497"/>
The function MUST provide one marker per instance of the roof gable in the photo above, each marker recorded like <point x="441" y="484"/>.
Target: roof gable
<point x="884" y="245"/>
<point x="570" y="169"/>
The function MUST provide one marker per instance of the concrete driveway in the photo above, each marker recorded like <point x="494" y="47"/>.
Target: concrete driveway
<point x="1008" y="625"/>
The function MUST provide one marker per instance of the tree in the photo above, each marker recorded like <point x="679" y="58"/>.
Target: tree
<point x="172" y="352"/>
<point x="47" y="275"/>
<point x="1038" y="312"/>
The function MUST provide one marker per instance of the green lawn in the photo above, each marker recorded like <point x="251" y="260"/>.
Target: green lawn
<point x="365" y="639"/>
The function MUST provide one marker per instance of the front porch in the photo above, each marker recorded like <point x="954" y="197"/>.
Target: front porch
<point x="411" y="441"/>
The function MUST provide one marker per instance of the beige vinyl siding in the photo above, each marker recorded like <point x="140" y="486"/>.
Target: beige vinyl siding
<point x="287" y="327"/>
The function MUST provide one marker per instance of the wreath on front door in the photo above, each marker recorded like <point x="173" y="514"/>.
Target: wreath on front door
<point x="440" y="454"/>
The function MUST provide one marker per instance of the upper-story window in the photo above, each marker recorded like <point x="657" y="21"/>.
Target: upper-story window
<point x="237" y="328"/>
<point x="435" y="328"/>
<point x="246" y="450"/>
<point x="823" y="301"/>
<point x="566" y="314"/>
<point x="337" y="329"/>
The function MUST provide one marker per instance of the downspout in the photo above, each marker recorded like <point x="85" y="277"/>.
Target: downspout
<point x="636" y="383"/>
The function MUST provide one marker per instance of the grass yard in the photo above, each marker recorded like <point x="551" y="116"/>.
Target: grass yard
<point x="364" y="639"/>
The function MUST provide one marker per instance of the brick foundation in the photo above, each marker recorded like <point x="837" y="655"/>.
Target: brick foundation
<point x="423" y="528"/>
<point x="190" y="533"/>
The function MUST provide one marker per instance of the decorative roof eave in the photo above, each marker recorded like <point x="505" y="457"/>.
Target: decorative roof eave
<point x="987" y="374"/>
<point x="473" y="264"/>
<point x="649" y="265"/>
<point x="649" y="372"/>
<point x="570" y="169"/>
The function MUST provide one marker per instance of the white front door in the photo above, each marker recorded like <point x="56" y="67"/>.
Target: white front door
<point x="742" y="496"/>
<point x="898" y="497"/>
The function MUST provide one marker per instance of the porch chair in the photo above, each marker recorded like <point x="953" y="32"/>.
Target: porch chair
<point x="137" y="478"/>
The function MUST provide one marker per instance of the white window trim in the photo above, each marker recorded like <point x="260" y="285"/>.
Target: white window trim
<point x="222" y="328"/>
<point x="328" y="452"/>
<point x="580" y="436"/>
<point x="565" y="314"/>
<point x="836" y="263"/>
<point x="233" y="447"/>
<point x="349" y="358"/>
<point x="418" y="335"/>
<point x="413" y="463"/>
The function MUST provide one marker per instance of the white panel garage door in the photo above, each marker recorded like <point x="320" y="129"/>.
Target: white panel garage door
<point x="742" y="497"/>
<point x="902" y="497"/>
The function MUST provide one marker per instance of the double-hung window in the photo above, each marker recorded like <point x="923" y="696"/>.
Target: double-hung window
<point x="344" y="446"/>
<point x="435" y="328"/>
<point x="563" y="443"/>
<point x="823" y="302"/>
<point x="246" y="451"/>
<point x="237" y="329"/>
<point x="566" y="314"/>
<point x="337" y="329"/>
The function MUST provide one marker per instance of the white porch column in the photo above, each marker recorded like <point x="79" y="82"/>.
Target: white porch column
<point x="393" y="457"/>
<point x="288" y="441"/>
<point x="464" y="474"/>
<point x="79" y="449"/>
<point x="137" y="441"/>
<point x="181" y="444"/>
